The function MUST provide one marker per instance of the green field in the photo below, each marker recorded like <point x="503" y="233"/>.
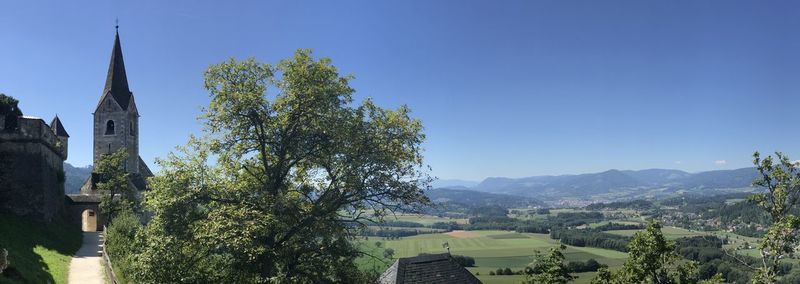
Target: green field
<point x="583" y="278"/>
<point x="491" y="250"/>
<point x="38" y="252"/>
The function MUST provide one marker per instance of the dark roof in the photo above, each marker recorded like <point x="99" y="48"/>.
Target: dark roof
<point x="116" y="80"/>
<point x="58" y="128"/>
<point x="432" y="268"/>
<point x="138" y="181"/>
<point x="84" y="198"/>
<point x="144" y="170"/>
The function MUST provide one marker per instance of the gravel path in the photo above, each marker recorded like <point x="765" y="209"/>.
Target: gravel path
<point x="86" y="266"/>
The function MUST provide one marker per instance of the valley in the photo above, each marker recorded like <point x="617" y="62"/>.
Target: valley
<point x="498" y="237"/>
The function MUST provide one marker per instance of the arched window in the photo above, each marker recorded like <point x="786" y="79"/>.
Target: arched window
<point x="132" y="130"/>
<point x="110" y="127"/>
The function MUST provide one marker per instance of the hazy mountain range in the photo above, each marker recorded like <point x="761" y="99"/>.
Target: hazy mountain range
<point x="471" y="198"/>
<point x="603" y="186"/>
<point x="449" y="183"/>
<point x="615" y="184"/>
<point x="75" y="177"/>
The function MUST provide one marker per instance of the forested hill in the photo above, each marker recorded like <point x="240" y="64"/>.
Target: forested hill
<point x="75" y="177"/>
<point x="617" y="181"/>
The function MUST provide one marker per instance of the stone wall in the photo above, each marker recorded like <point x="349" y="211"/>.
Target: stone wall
<point x="126" y="124"/>
<point x="32" y="171"/>
<point x="77" y="203"/>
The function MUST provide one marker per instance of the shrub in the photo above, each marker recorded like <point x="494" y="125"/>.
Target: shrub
<point x="10" y="110"/>
<point x="388" y="253"/>
<point x="121" y="243"/>
<point x="465" y="261"/>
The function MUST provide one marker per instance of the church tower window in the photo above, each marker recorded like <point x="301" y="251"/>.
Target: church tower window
<point x="110" y="127"/>
<point x="132" y="130"/>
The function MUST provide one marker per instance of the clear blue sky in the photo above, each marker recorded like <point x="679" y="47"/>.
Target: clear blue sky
<point x="504" y="88"/>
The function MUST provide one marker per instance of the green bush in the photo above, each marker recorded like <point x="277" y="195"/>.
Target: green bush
<point x="121" y="243"/>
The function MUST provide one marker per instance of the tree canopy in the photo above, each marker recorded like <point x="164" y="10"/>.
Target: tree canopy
<point x="781" y="179"/>
<point x="116" y="194"/>
<point x="287" y="172"/>
<point x="548" y="268"/>
<point x="9" y="109"/>
<point x="652" y="259"/>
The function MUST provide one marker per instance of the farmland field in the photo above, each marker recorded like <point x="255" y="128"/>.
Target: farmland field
<point x="498" y="249"/>
<point x="491" y="250"/>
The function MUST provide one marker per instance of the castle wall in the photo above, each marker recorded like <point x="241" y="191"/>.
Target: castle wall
<point x="31" y="171"/>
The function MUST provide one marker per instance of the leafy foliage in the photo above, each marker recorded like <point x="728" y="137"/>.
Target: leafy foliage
<point x="651" y="259"/>
<point x="117" y="195"/>
<point x="591" y="238"/>
<point x="122" y="244"/>
<point x="585" y="266"/>
<point x="548" y="268"/>
<point x="465" y="261"/>
<point x="633" y="204"/>
<point x="781" y="179"/>
<point x="10" y="110"/>
<point x="299" y="172"/>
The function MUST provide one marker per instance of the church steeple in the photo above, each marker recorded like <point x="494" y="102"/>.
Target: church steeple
<point x="116" y="80"/>
<point x="116" y="123"/>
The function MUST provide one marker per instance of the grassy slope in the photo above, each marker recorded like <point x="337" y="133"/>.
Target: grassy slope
<point x="40" y="253"/>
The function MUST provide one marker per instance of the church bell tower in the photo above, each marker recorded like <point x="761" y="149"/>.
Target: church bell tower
<point x="116" y="122"/>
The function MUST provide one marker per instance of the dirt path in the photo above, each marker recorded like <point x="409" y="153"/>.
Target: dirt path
<point x="86" y="266"/>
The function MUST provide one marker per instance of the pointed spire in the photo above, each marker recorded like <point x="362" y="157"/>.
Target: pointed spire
<point x="116" y="80"/>
<point x="58" y="127"/>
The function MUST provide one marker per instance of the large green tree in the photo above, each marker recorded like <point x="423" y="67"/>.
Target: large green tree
<point x="548" y="268"/>
<point x="781" y="180"/>
<point x="652" y="259"/>
<point x="116" y="194"/>
<point x="288" y="170"/>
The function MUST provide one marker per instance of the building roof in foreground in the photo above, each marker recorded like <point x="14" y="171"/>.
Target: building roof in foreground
<point x="431" y="268"/>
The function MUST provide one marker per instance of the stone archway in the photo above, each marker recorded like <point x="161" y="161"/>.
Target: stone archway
<point x="89" y="220"/>
<point x="85" y="210"/>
